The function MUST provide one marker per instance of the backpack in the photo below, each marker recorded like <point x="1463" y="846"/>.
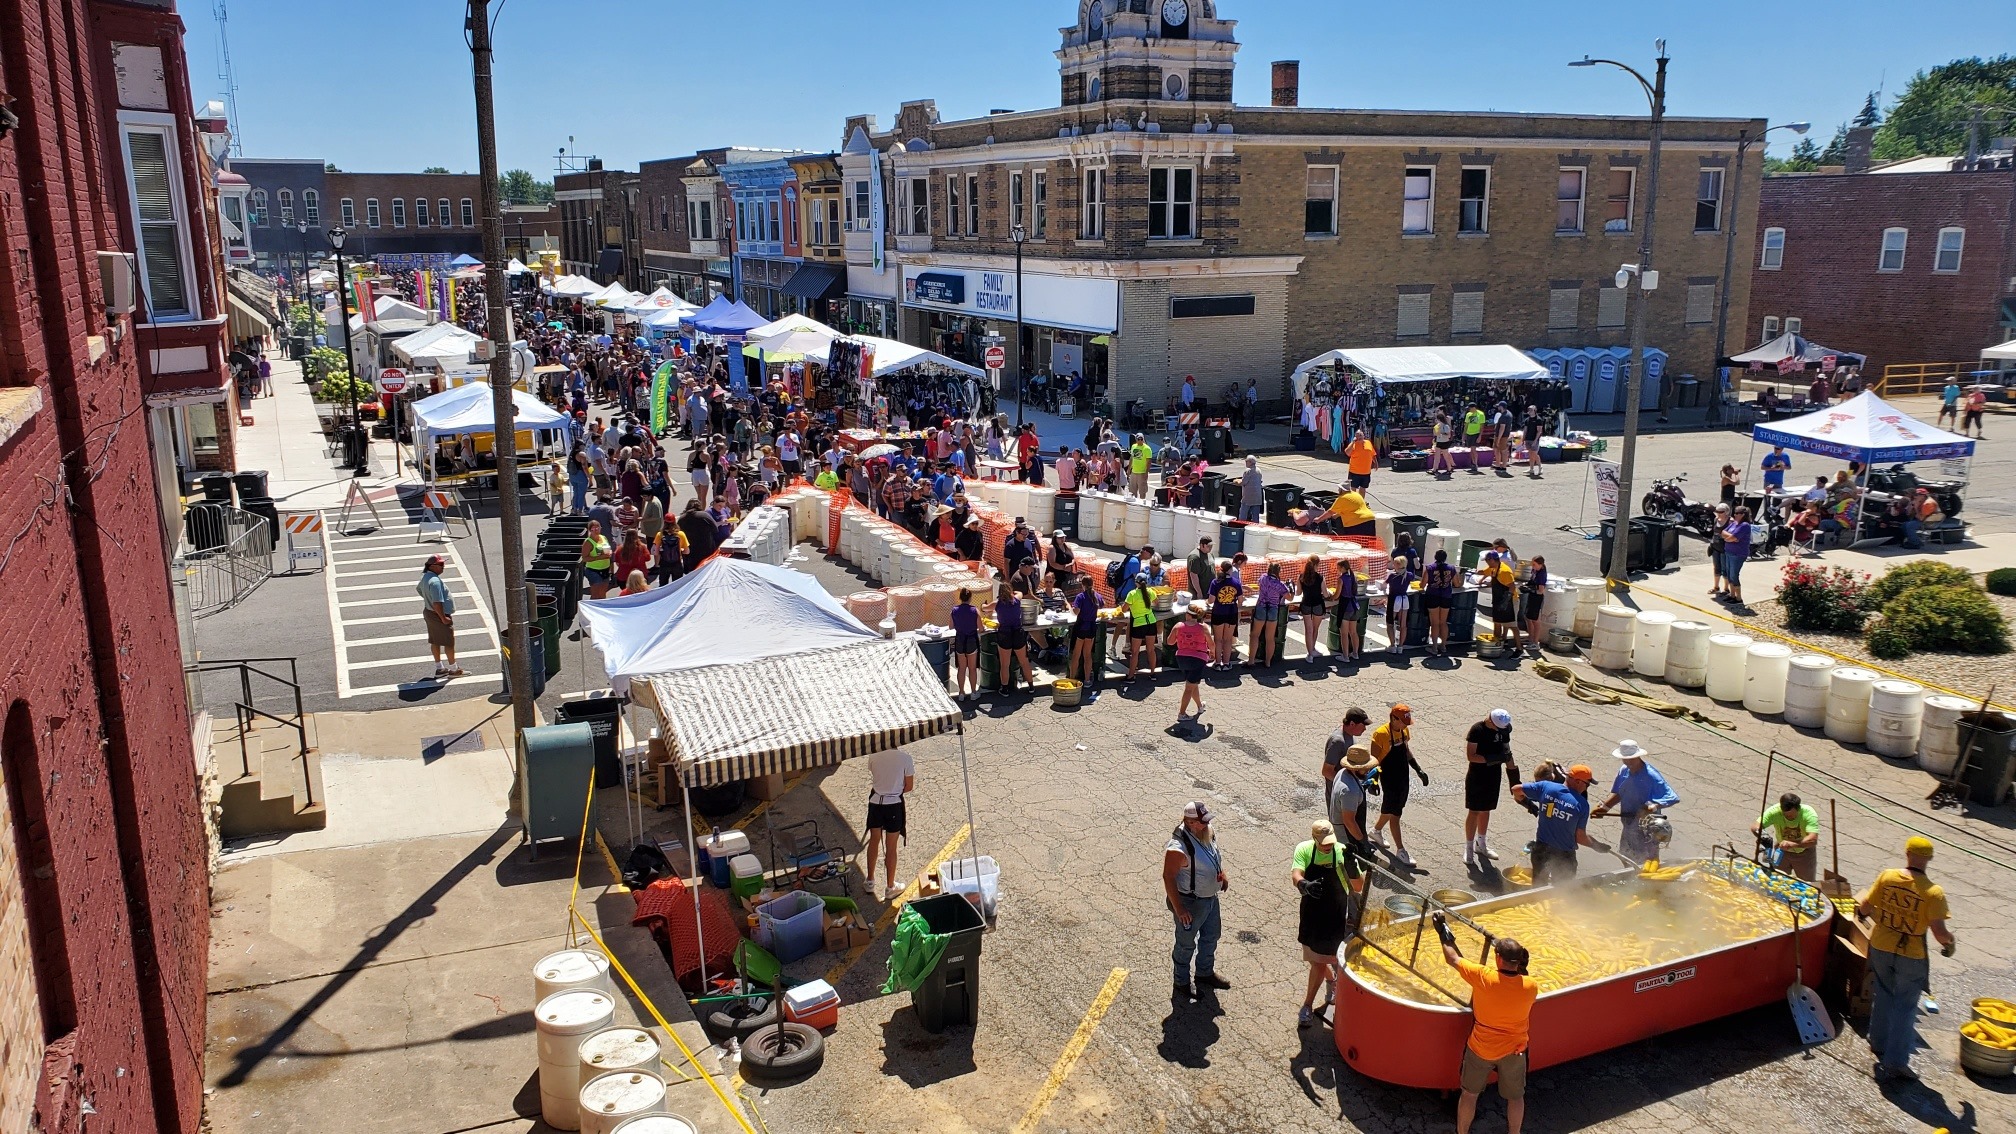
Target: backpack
<point x="1115" y="571"/>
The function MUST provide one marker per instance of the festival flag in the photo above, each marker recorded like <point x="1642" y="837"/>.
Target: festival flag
<point x="448" y="285"/>
<point x="360" y="291"/>
<point x="661" y="397"/>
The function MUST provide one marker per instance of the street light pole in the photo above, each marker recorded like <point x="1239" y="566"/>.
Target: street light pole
<point x="1018" y="234"/>
<point x="1634" y="386"/>
<point x="1743" y="140"/>
<point x="354" y="437"/>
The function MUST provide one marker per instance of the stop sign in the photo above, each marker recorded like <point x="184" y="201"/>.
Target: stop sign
<point x="392" y="380"/>
<point x="996" y="358"/>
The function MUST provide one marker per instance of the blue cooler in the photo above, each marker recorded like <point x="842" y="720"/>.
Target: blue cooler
<point x="716" y="850"/>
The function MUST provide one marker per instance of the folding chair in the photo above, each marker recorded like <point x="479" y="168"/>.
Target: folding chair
<point x="806" y="857"/>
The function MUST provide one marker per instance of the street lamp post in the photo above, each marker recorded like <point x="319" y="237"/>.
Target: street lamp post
<point x="356" y="450"/>
<point x="301" y="227"/>
<point x="1620" y="527"/>
<point x="1018" y="234"/>
<point x="1743" y="140"/>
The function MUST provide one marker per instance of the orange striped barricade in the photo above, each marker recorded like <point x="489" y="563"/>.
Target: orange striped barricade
<point x="304" y="541"/>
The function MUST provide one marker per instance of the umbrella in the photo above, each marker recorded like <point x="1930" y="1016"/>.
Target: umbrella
<point x="882" y="450"/>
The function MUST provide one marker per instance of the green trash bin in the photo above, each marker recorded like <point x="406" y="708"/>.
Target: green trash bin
<point x="951" y="993"/>
<point x="1472" y="552"/>
<point x="549" y="629"/>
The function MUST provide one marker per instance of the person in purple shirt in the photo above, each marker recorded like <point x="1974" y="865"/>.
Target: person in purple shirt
<point x="1348" y="644"/>
<point x="1268" y="614"/>
<point x="1398" y="580"/>
<point x="1225" y="592"/>
<point x="966" y="643"/>
<point x="1438" y="594"/>
<point x="1011" y="638"/>
<point x="1735" y="551"/>
<point x="1084" y="629"/>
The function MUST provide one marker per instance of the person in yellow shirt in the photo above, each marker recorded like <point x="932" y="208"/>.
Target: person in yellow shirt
<point x="1501" y="1002"/>
<point x="1904" y="904"/>
<point x="1363" y="456"/>
<point x="1139" y="457"/>
<point x="1351" y="512"/>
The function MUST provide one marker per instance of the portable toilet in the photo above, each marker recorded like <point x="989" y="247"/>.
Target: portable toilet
<point x="1578" y="363"/>
<point x="1606" y="383"/>
<point x="1655" y="374"/>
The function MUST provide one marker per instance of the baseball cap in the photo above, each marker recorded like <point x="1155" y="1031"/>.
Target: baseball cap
<point x="1400" y="709"/>
<point x="436" y="561"/>
<point x="1581" y="772"/>
<point x="1918" y="846"/>
<point x="1500" y="718"/>
<point x="1059" y="533"/>
<point x="1196" y="810"/>
<point x="1323" y="834"/>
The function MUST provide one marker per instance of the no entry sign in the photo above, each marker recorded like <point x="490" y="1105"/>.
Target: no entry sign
<point x="996" y="358"/>
<point x="391" y="379"/>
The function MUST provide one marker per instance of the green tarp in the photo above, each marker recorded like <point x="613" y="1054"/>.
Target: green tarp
<point x="914" y="952"/>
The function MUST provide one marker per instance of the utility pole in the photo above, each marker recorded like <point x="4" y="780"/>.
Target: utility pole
<point x="517" y="604"/>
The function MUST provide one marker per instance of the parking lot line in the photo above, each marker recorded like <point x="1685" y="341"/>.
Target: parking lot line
<point x="896" y="905"/>
<point x="1068" y="1058"/>
<point x="460" y="655"/>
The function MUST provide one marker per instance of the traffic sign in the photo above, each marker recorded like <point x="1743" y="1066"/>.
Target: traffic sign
<point x="996" y="358"/>
<point x="1829" y="362"/>
<point x="391" y="379"/>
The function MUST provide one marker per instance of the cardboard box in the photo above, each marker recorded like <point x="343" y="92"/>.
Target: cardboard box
<point x="766" y="787"/>
<point x="858" y="936"/>
<point x="836" y="939"/>
<point x="656" y="751"/>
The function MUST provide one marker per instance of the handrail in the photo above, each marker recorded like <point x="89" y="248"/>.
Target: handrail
<point x="301" y="738"/>
<point x="245" y="671"/>
<point x="1903" y="378"/>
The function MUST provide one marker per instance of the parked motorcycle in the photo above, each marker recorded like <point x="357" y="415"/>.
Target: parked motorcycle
<point x="1668" y="501"/>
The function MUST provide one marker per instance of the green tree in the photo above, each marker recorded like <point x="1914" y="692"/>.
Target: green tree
<point x="1805" y="156"/>
<point x="330" y="167"/>
<point x="1933" y="113"/>
<point x="435" y="169"/>
<point x="519" y="187"/>
<point x="1835" y="152"/>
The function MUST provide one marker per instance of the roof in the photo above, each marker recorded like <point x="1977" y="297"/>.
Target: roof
<point x="1430" y="364"/>
<point x="1934" y="163"/>
<point x="1864" y="428"/>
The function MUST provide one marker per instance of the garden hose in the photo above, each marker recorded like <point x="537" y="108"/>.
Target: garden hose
<point x="1597" y="693"/>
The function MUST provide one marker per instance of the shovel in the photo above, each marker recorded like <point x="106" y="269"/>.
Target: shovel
<point x="1832" y="883"/>
<point x="1809" y="1015"/>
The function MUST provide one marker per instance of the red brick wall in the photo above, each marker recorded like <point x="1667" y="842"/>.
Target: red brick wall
<point x="1833" y="233"/>
<point x="98" y="736"/>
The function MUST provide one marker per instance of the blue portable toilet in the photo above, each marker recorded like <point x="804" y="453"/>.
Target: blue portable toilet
<point x="1578" y="365"/>
<point x="1655" y="374"/>
<point x="1606" y="383"/>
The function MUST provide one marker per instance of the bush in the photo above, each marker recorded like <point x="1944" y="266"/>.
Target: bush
<point x="333" y="388"/>
<point x="1887" y="642"/>
<point x="2002" y="581"/>
<point x="1947" y="619"/>
<point x="321" y="362"/>
<point x="1827" y="601"/>
<point x="305" y="319"/>
<point x="1908" y="576"/>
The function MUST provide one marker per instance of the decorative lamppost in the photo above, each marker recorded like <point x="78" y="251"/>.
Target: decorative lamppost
<point x="357" y="445"/>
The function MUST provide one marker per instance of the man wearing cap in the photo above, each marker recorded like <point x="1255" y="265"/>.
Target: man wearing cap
<point x="1564" y="823"/>
<point x="1501" y="1003"/>
<point x="1904" y="904"/>
<point x="1794" y="828"/>
<point x="438" y="612"/>
<point x="1638" y="785"/>
<point x="1193" y="875"/>
<point x="1021" y="545"/>
<point x="1488" y="747"/>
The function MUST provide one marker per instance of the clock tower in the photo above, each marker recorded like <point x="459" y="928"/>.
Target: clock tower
<point x="1131" y="51"/>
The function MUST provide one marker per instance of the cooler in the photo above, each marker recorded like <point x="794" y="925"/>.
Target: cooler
<point x="718" y="850"/>
<point x="745" y="876"/>
<point x="814" y="1004"/>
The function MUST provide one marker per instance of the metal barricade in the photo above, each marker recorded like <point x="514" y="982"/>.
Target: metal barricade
<point x="219" y="577"/>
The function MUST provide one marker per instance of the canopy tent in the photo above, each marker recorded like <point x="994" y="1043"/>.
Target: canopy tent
<point x="792" y="346"/>
<point x="575" y="287"/>
<point x="465" y="260"/>
<point x="1427" y="364"/>
<point x="2004" y="353"/>
<point x="714" y="306"/>
<point x="614" y="296"/>
<point x="788" y="324"/>
<point x="735" y="319"/>
<point x="516" y="267"/>
<point x="391" y="309"/>
<point x="668" y="319"/>
<point x="1864" y="428"/>
<point x="444" y="345"/>
<point x="660" y="300"/>
<point x="467" y="409"/>
<point x="1797" y="347"/>
<point x="892" y="356"/>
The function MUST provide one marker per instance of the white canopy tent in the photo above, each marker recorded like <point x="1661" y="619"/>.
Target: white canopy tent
<point x="667" y="320"/>
<point x="516" y="267"/>
<point x="789" y="323"/>
<point x="792" y="346"/>
<point x="2004" y="353"/>
<point x="575" y="287"/>
<point x="660" y="300"/>
<point x="1864" y="428"/>
<point x="444" y="345"/>
<point x="468" y="410"/>
<point x="1427" y="364"/>
<point x="1998" y="361"/>
<point x="892" y="356"/>
<point x="615" y="296"/>
<point x="391" y="311"/>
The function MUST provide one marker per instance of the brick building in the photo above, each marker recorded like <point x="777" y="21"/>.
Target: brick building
<point x="528" y="229"/>
<point x="405" y="213"/>
<point x="683" y="225"/>
<point x="287" y="196"/>
<point x="1912" y="261"/>
<point x="104" y="925"/>
<point x="599" y="225"/>
<point x="1171" y="232"/>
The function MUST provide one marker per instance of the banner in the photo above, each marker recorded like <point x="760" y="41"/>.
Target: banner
<point x="661" y="395"/>
<point x="1606" y="488"/>
<point x="738" y="381"/>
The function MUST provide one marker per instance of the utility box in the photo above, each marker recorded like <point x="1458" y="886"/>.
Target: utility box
<point x="559" y="763"/>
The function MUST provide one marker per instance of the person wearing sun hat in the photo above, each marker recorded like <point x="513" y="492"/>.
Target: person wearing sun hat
<point x="1905" y="904"/>
<point x="1193" y="875"/>
<point x="1563" y="826"/>
<point x="1638" y="786"/>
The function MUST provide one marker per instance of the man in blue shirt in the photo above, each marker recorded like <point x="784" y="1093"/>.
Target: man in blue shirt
<point x="1638" y="785"/>
<point x="1775" y="463"/>
<point x="438" y="611"/>
<point x="1564" y="823"/>
<point x="1949" y="405"/>
<point x="945" y="485"/>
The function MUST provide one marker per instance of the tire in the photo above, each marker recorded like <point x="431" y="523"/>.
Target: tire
<point x="741" y="1018"/>
<point x="783" y="1051"/>
<point x="1650" y="506"/>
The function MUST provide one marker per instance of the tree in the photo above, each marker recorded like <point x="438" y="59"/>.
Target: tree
<point x="519" y="187"/>
<point x="435" y="169"/>
<point x="330" y="167"/>
<point x="1805" y="156"/>
<point x="1836" y="150"/>
<point x="1869" y="116"/>
<point x="1933" y="114"/>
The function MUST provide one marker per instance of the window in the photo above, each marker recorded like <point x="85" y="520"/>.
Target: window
<point x="1210" y="306"/>
<point x="791" y="226"/>
<point x="1564" y="308"/>
<point x="1568" y="199"/>
<point x="1772" y="257"/>
<point x="157" y="209"/>
<point x="1708" y="202"/>
<point x="1040" y="188"/>
<point x="1770" y="327"/>
<point x="954" y="208"/>
<point x="972" y="204"/>
<point x="1417" y="200"/>
<point x="818" y="222"/>
<point x="421" y="217"/>
<point x="1413" y="323"/>
<point x="1700" y="303"/>
<point x="862" y="220"/>
<point x="371" y="212"/>
<point x="349" y="212"/>
<point x="776" y="229"/>
<point x="1172" y="203"/>
<point x="1473" y="200"/>
<point x="285" y="198"/>
<point x="1891" y="258"/>
<point x="1466" y="313"/>
<point x="706" y="229"/>
<point x="1319" y="207"/>
<point x="1017" y="200"/>
<point x="311" y="208"/>
<point x="920" y="207"/>
<point x="398" y="212"/>
<point x="1093" y="226"/>
<point x="447" y="218"/>
<point x="832" y="220"/>
<point x="468" y="213"/>
<point x="1617" y="203"/>
<point x="1610" y="305"/>
<point x="1946" y="258"/>
<point x="259" y="207"/>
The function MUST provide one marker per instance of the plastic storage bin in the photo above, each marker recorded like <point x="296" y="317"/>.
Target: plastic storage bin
<point x="958" y="877"/>
<point x="796" y="923"/>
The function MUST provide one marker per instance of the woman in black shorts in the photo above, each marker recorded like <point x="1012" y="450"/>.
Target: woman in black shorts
<point x="966" y="643"/>
<point x="1535" y="598"/>
<point x="1011" y="641"/>
<point x="1315" y="604"/>
<point x="1438" y="591"/>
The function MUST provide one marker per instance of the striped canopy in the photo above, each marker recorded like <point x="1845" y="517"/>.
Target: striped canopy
<point x="797" y="711"/>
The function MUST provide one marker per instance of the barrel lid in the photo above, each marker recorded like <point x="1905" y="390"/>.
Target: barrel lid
<point x="1690" y="626"/>
<point x="574" y="1009"/>
<point x="1948" y="701"/>
<point x="1616" y="611"/>
<point x="618" y="1047"/>
<point x="1898" y="688"/>
<point x="1730" y="639"/>
<point x="654" y="1124"/>
<point x="622" y="1092"/>
<point x="1849" y="675"/>
<point x="1812" y="661"/>
<point x="1588" y="584"/>
<point x="1770" y="650"/>
<point x="570" y="966"/>
<point x="1655" y="617"/>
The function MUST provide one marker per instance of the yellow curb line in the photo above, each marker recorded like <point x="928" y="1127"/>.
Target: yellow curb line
<point x="1072" y="1051"/>
<point x="896" y="905"/>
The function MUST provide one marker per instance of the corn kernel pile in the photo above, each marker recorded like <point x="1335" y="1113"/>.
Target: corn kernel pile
<point x="1591" y="932"/>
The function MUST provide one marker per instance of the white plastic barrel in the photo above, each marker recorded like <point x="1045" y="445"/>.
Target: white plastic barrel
<point x="570" y="968"/>
<point x="1806" y="678"/>
<point x="1382" y="526"/>
<point x="655" y="1124"/>
<point x="609" y="1099"/>
<point x="1316" y="545"/>
<point x="1896" y="715"/>
<point x="1848" y="704"/>
<point x="1162" y="530"/>
<point x="562" y="1021"/>
<point x="1207" y="528"/>
<point x="1610" y="648"/>
<point x="1648" y="648"/>
<point x="1286" y="541"/>
<point x="1687" y="655"/>
<point x="1441" y="539"/>
<point x="1589" y="595"/>
<point x="1042" y="509"/>
<point x="1183" y="533"/>
<point x="1764" y="678"/>
<point x="1015" y="501"/>
<point x="618" y="1049"/>
<point x="1557" y="609"/>
<point x="1113" y="522"/>
<point x="1728" y="663"/>
<point x="1135" y="533"/>
<point x="990" y="490"/>
<point x="1090" y="505"/>
<point x="1939" y="733"/>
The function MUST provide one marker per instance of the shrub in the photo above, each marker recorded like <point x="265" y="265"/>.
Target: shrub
<point x="333" y="388"/>
<point x="1824" y="600"/>
<point x="321" y="362"/>
<point x="1947" y="619"/>
<point x="1908" y="576"/>
<point x="2002" y="581"/>
<point x="305" y="320"/>
<point x="1887" y="642"/>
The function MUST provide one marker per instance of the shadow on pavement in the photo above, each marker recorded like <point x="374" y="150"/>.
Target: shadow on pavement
<point x="920" y="1058"/>
<point x="1189" y="1030"/>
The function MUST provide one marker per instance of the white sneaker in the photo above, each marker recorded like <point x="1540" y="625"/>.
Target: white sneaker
<point x="1405" y="858"/>
<point x="1379" y="840"/>
<point x="1470" y="856"/>
<point x="1488" y="852"/>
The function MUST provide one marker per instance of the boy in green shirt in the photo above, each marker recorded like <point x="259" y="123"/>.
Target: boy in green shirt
<point x="1795" y="827"/>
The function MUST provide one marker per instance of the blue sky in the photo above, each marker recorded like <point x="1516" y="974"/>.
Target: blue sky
<point x="386" y="86"/>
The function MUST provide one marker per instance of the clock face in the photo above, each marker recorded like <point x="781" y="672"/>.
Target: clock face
<point x="1175" y="13"/>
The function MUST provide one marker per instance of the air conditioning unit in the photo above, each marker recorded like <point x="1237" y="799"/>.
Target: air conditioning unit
<point x="118" y="278"/>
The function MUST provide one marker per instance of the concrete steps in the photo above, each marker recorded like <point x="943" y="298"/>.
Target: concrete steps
<point x="264" y="791"/>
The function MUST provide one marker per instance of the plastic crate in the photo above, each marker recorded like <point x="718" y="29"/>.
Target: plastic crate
<point x="797" y="925"/>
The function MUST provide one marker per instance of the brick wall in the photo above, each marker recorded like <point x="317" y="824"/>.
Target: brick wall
<point x="1833" y="235"/>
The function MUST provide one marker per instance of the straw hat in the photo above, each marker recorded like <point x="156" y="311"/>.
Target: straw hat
<point x="1358" y="758"/>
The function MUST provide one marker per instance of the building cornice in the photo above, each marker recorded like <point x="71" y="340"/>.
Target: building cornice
<point x="1188" y="268"/>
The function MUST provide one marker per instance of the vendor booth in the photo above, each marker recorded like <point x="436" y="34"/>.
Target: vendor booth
<point x="1869" y="431"/>
<point x="1395" y="390"/>
<point x="455" y="431"/>
<point x="1998" y="365"/>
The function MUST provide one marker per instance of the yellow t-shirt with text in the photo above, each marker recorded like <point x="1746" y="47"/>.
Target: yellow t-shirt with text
<point x="1904" y="904"/>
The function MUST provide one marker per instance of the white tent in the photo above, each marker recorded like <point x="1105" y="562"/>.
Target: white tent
<point x="391" y="310"/>
<point x="1864" y="428"/>
<point x="788" y="324"/>
<point x="668" y="319"/>
<point x="444" y="345"/>
<point x="468" y="409"/>
<point x="660" y="300"/>
<point x="892" y="356"/>
<point x="615" y="296"/>
<point x="1428" y="364"/>
<point x="516" y="267"/>
<point x="575" y="287"/>
<point x="2004" y="353"/>
<point x="792" y="346"/>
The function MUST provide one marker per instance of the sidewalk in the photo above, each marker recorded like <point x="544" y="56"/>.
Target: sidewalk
<point x="285" y="439"/>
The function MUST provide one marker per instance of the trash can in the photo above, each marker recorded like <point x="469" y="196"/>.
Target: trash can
<point x="548" y="618"/>
<point x="1415" y="526"/>
<point x="1216" y="443"/>
<point x="951" y="993"/>
<point x="1662" y="542"/>
<point x="549" y="584"/>
<point x="1231" y="538"/>
<point x="250" y="482"/>
<point x="536" y="654"/>
<point x="1687" y="391"/>
<point x="264" y="508"/>
<point x="1226" y="499"/>
<point x="204" y="524"/>
<point x="1463" y="616"/>
<point x="1067" y="514"/>
<point x="1634" y="548"/>
<point x="1282" y="499"/>
<point x="938" y="651"/>
<point x="1989" y="740"/>
<point x="217" y="487"/>
<point x="601" y="715"/>
<point x="356" y="447"/>
<point x="1471" y="553"/>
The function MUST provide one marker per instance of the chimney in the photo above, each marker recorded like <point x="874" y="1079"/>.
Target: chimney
<point x="1287" y="82"/>
<point x="1856" y="152"/>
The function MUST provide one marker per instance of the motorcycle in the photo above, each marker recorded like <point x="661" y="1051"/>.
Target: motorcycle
<point x="1668" y="501"/>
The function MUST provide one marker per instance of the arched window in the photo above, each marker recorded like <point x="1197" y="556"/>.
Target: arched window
<point x="468" y="213"/>
<point x="311" y="208"/>
<point x="447" y="219"/>
<point x="259" y="207"/>
<point x="286" y="200"/>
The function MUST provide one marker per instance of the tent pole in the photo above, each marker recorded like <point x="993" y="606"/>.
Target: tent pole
<point x="693" y="877"/>
<point x="972" y="832"/>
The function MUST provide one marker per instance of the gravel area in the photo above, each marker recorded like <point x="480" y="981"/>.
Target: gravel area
<point x="1970" y="674"/>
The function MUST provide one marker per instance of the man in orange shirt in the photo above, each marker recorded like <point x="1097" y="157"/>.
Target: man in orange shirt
<point x="1501" y="1000"/>
<point x="1363" y="455"/>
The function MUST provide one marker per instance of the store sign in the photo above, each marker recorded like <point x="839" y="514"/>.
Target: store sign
<point x="937" y="287"/>
<point x="1071" y="303"/>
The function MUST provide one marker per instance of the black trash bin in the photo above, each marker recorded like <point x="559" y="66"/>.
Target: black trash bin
<point x="1634" y="545"/>
<point x="217" y="487"/>
<point x="1989" y="740"/>
<point x="250" y="482"/>
<point x="1214" y="491"/>
<point x="536" y="657"/>
<point x="1067" y="514"/>
<point x="601" y="715"/>
<point x="1662" y="542"/>
<point x="552" y="585"/>
<point x="1281" y="500"/>
<point x="951" y="993"/>
<point x="264" y="508"/>
<point x="356" y="447"/>
<point x="1217" y="443"/>
<point x="548" y="618"/>
<point x="1415" y="526"/>
<point x="204" y="525"/>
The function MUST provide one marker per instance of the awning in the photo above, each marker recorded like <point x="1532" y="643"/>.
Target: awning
<point x="1430" y="364"/>
<point x="1864" y="428"/>
<point x="247" y="321"/>
<point x="610" y="262"/>
<point x="816" y="281"/>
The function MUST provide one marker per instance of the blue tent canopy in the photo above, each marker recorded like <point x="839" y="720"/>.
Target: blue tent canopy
<point x="733" y="319"/>
<point x="465" y="260"/>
